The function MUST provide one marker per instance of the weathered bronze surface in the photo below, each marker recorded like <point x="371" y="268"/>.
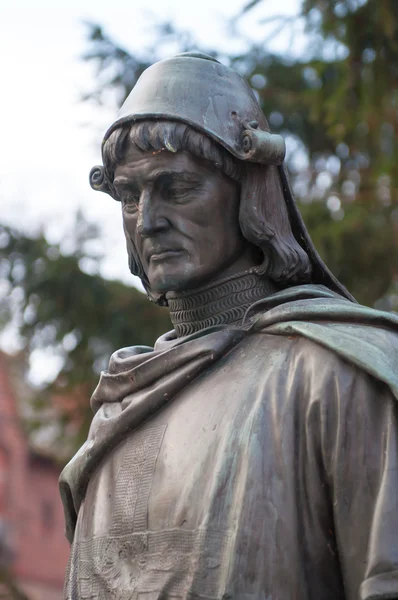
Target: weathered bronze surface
<point x="253" y="452"/>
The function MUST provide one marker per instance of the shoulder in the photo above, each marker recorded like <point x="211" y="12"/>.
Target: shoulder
<point x="354" y="335"/>
<point x="341" y="400"/>
<point x="317" y="373"/>
<point x="337" y="405"/>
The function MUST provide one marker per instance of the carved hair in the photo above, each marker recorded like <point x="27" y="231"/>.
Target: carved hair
<point x="263" y="216"/>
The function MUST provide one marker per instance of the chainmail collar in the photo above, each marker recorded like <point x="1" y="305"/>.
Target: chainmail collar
<point x="223" y="302"/>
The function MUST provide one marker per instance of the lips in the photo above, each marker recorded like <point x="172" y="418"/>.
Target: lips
<point x="163" y="254"/>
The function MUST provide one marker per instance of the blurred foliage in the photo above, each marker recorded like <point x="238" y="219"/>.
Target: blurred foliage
<point x="340" y="103"/>
<point x="80" y="318"/>
<point x="336" y="105"/>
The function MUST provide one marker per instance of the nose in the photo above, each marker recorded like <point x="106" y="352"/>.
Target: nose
<point x="150" y="219"/>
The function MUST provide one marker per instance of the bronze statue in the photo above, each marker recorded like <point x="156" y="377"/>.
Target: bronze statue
<point x="253" y="452"/>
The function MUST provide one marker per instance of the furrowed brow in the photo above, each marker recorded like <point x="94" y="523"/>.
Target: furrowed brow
<point x="121" y="182"/>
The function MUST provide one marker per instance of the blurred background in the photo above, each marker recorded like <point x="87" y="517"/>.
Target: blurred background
<point x="326" y="74"/>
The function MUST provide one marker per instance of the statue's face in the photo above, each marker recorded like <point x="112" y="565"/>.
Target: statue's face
<point x="182" y="215"/>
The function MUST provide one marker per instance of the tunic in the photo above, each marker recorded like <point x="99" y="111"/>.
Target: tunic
<point x="265" y="468"/>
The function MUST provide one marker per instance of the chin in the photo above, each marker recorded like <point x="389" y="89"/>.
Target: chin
<point x="174" y="282"/>
<point x="169" y="285"/>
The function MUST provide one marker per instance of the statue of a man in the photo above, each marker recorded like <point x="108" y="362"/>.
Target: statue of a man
<point x="253" y="452"/>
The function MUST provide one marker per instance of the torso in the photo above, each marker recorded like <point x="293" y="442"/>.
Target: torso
<point x="219" y="495"/>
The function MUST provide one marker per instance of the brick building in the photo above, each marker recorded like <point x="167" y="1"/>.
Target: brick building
<point x="32" y="541"/>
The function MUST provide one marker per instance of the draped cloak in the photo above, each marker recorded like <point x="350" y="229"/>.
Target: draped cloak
<point x="250" y="463"/>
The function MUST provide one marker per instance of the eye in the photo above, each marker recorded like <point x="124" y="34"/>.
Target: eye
<point x="177" y="189"/>
<point x="130" y="200"/>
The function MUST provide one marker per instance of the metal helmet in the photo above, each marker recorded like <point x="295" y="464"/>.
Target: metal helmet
<point x="196" y="89"/>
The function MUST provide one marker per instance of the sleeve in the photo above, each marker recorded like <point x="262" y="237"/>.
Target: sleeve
<point x="359" y="420"/>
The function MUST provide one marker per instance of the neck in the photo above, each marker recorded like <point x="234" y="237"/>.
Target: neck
<point x="222" y="302"/>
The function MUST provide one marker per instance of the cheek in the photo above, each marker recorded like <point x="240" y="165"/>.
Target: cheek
<point x="130" y="224"/>
<point x="187" y="223"/>
<point x="223" y="222"/>
<point x="211" y="224"/>
<point x="129" y="227"/>
<point x="213" y="210"/>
